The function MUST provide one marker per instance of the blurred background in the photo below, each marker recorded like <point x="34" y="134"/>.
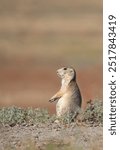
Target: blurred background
<point x="39" y="36"/>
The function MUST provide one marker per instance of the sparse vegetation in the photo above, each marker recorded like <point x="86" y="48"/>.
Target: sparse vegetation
<point x="40" y="132"/>
<point x="92" y="115"/>
<point x="15" y="115"/>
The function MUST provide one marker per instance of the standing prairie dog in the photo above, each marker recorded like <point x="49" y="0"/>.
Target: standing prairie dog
<point x="69" y="96"/>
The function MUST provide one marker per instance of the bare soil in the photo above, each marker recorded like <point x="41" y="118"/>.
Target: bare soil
<point x="50" y="136"/>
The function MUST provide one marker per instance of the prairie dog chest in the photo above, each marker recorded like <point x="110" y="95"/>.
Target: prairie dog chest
<point x="61" y="107"/>
<point x="63" y="103"/>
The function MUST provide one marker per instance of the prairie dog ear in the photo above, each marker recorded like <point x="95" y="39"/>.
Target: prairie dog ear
<point x="71" y="70"/>
<point x="72" y="73"/>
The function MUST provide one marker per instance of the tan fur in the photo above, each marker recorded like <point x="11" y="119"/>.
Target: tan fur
<point x="69" y="97"/>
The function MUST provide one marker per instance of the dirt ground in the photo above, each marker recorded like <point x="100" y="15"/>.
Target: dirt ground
<point x="50" y="137"/>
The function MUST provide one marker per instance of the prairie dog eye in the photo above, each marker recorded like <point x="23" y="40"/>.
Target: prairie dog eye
<point x="65" y="68"/>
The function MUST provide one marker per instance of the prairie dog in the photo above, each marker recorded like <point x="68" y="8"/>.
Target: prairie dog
<point x="69" y="96"/>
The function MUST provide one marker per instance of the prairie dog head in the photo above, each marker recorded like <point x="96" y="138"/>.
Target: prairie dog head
<point x="67" y="73"/>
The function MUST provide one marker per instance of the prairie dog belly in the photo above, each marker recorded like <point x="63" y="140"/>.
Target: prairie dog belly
<point x="65" y="105"/>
